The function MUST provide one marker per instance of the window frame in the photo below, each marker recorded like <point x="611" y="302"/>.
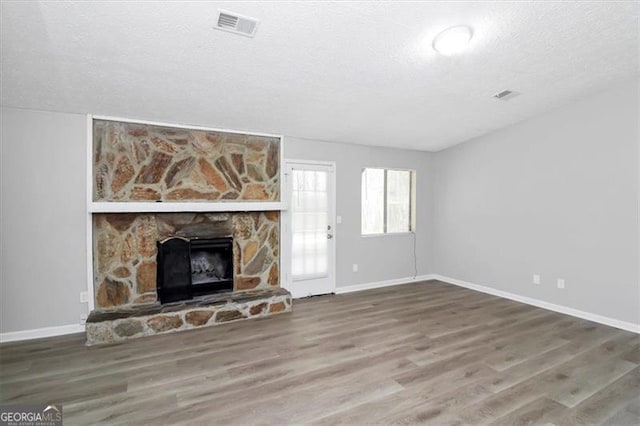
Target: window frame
<point x="412" y="202"/>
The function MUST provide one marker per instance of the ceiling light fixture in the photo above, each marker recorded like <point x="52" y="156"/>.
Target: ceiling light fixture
<point x="452" y="40"/>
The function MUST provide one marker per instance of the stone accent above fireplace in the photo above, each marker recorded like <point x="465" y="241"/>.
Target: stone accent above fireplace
<point x="141" y="162"/>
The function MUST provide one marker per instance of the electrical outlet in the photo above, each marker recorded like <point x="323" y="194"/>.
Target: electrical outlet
<point x="355" y="267"/>
<point x="560" y="283"/>
<point x="83" y="319"/>
<point x="84" y="297"/>
<point x="536" y="279"/>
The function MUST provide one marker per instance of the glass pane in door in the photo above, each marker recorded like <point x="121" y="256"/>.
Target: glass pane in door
<point x="309" y="227"/>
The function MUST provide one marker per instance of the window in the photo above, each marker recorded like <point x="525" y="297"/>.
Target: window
<point x="388" y="201"/>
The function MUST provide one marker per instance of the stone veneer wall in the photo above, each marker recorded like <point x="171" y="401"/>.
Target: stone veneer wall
<point x="125" y="250"/>
<point x="138" y="162"/>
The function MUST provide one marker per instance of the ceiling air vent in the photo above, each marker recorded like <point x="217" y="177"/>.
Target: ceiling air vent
<point x="505" y="95"/>
<point x="238" y="24"/>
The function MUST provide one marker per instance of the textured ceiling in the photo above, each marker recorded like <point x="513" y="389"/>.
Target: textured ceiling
<point x="353" y="72"/>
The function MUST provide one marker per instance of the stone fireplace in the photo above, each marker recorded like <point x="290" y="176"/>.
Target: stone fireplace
<point x="126" y="250"/>
<point x="180" y="236"/>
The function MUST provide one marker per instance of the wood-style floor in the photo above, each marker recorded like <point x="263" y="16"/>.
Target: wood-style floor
<point x="418" y="353"/>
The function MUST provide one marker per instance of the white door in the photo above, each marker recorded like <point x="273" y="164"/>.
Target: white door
<point x="309" y="228"/>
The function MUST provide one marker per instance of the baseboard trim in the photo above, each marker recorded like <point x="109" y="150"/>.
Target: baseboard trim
<point x="15" y="336"/>
<point x="628" y="326"/>
<point x="380" y="284"/>
<point x="37" y="333"/>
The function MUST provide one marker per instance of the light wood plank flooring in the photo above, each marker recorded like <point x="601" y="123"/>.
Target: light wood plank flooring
<point x="418" y="353"/>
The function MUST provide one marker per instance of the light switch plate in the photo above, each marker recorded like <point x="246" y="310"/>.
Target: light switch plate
<point x="536" y="279"/>
<point x="560" y="283"/>
<point x="355" y="267"/>
<point x="84" y="297"/>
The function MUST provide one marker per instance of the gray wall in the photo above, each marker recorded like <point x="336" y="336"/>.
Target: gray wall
<point x="556" y="195"/>
<point x="379" y="258"/>
<point x="42" y="219"/>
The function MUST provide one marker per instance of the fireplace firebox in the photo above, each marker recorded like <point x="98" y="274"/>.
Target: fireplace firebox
<point x="193" y="267"/>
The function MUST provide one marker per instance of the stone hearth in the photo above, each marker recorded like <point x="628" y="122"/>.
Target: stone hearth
<point x="114" y="325"/>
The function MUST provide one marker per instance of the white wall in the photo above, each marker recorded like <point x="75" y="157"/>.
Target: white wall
<point x="379" y="258"/>
<point x="556" y="195"/>
<point x="42" y="219"/>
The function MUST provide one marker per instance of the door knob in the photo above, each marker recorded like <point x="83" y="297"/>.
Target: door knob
<point x="329" y="236"/>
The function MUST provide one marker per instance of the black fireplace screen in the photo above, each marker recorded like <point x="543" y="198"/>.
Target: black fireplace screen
<point x="194" y="267"/>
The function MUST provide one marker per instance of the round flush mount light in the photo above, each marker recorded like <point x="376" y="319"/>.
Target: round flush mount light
<point x="452" y="40"/>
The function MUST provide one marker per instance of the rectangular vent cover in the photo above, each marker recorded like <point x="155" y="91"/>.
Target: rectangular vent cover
<point x="505" y="95"/>
<point x="235" y="23"/>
